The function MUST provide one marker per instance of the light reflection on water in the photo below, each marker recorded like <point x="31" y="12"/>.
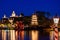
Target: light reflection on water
<point x="34" y="35"/>
<point x="20" y="35"/>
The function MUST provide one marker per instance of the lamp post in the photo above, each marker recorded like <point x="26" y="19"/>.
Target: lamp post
<point x="56" y="20"/>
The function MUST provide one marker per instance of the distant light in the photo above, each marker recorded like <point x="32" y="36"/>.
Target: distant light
<point x="20" y="15"/>
<point x="13" y="14"/>
<point x="4" y="16"/>
<point x="56" y="20"/>
<point x="34" y="20"/>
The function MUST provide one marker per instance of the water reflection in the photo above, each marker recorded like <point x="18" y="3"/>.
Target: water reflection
<point x="5" y="34"/>
<point x="0" y="35"/>
<point x="12" y="34"/>
<point x="19" y="35"/>
<point x="26" y="35"/>
<point x="34" y="35"/>
<point x="23" y="35"/>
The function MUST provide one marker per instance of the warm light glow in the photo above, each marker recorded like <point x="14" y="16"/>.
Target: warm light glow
<point x="56" y="20"/>
<point x="20" y="15"/>
<point x="13" y="14"/>
<point x="51" y="34"/>
<point x="2" y="25"/>
<point x="9" y="25"/>
<point x="11" y="21"/>
<point x="16" y="33"/>
<point x="21" y="35"/>
<point x="34" y="35"/>
<point x="34" y="20"/>
<point x="12" y="33"/>
<point x="59" y="35"/>
<point x="3" y="35"/>
<point x="4" y="16"/>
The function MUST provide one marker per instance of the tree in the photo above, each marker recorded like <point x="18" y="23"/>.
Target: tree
<point x="42" y="19"/>
<point x="27" y="20"/>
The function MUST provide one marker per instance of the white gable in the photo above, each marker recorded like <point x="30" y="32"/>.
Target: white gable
<point x="13" y="14"/>
<point x="4" y="16"/>
<point x="20" y="15"/>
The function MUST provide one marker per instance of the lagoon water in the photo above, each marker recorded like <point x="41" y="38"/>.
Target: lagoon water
<point x="23" y="35"/>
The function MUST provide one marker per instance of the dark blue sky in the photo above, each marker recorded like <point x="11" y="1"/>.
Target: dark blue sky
<point x="29" y="6"/>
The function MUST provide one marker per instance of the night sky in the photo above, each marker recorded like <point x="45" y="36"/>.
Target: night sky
<point x="29" y="6"/>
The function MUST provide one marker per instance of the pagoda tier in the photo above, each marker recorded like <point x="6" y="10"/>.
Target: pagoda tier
<point x="34" y="20"/>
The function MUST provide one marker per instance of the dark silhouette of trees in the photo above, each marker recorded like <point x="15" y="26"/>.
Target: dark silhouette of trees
<point x="27" y="20"/>
<point x="43" y="18"/>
